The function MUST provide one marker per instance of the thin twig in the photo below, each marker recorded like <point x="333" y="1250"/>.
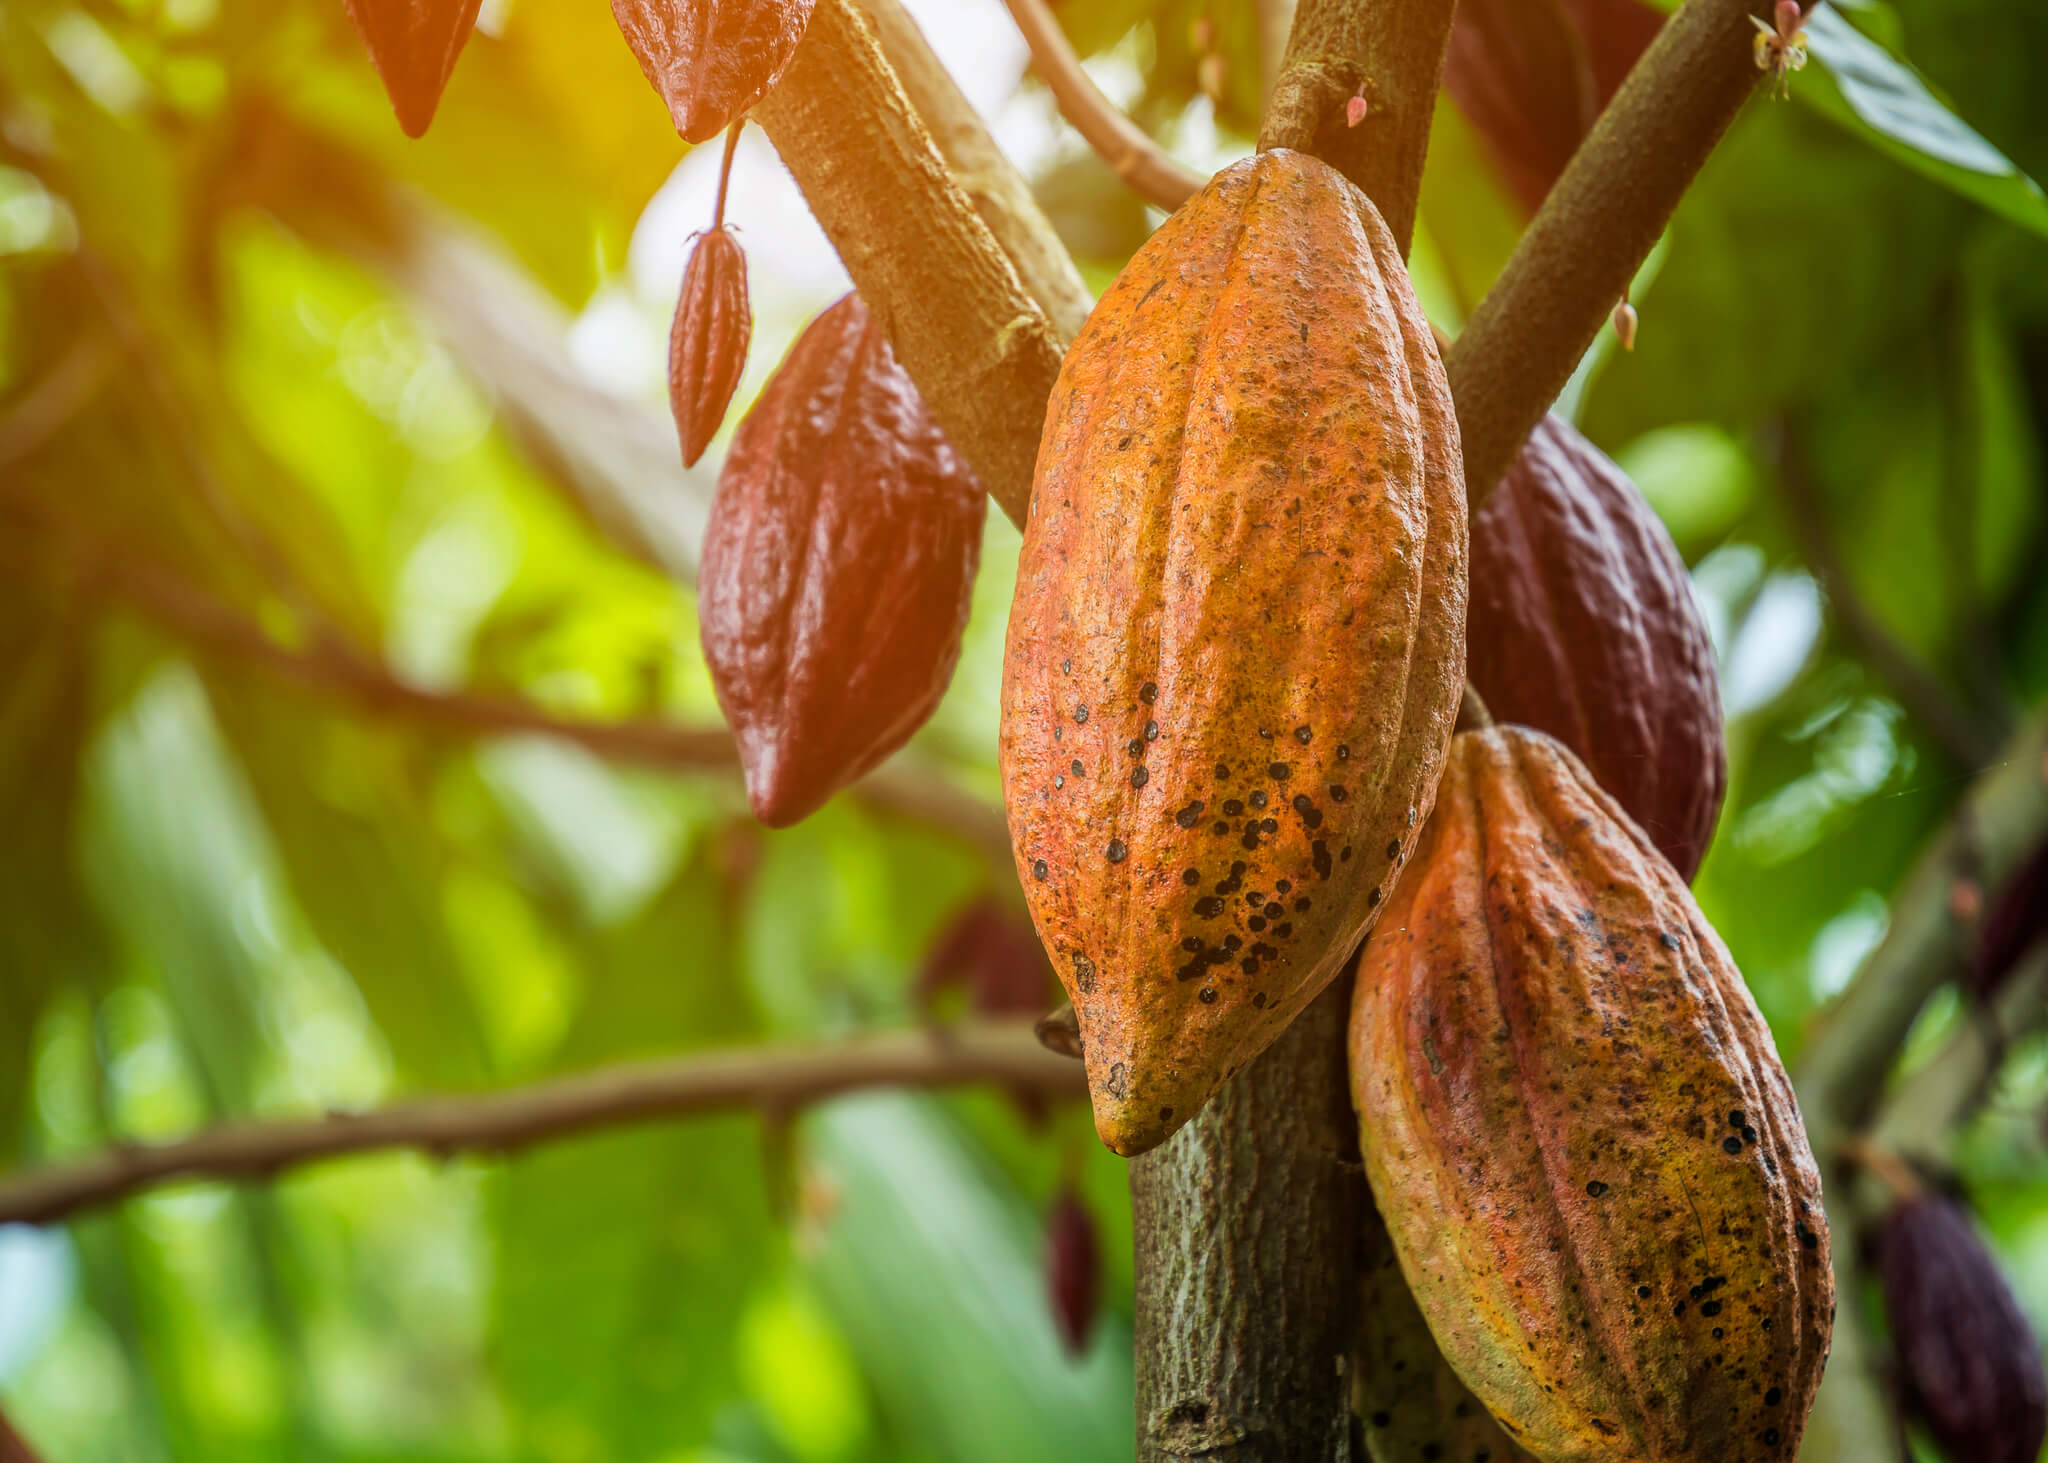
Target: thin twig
<point x="1968" y="741"/>
<point x="772" y="1079"/>
<point x="14" y="1447"/>
<point x="1146" y="168"/>
<point x="47" y="407"/>
<point x="1598" y="224"/>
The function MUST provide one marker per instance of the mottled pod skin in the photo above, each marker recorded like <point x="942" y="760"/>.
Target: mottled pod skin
<point x="1969" y="1366"/>
<point x="1410" y="1405"/>
<point x="1583" y="625"/>
<point x="414" y="44"/>
<point x="1237" y="644"/>
<point x="1577" y="1128"/>
<point x="838" y="566"/>
<point x="712" y="59"/>
<point x="708" y="339"/>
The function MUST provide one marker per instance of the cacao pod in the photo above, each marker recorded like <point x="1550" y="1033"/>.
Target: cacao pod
<point x="1578" y="1131"/>
<point x="414" y="44"/>
<point x="707" y="343"/>
<point x="1237" y="644"/>
<point x="2018" y="917"/>
<point x="1410" y="1405"/>
<point x="1073" y="1270"/>
<point x="1583" y="625"/>
<point x="838" y="565"/>
<point x="1968" y="1361"/>
<point x="993" y="954"/>
<point x="712" y="59"/>
<point x="1532" y="75"/>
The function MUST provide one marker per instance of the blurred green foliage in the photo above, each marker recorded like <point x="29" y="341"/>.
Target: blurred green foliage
<point x="223" y="893"/>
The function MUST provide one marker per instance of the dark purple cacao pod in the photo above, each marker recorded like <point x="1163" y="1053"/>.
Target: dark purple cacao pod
<point x="707" y="343"/>
<point x="2019" y="917"/>
<point x="838" y="565"/>
<point x="1969" y="1365"/>
<point x="414" y="44"/>
<point x="712" y="59"/>
<point x="1583" y="625"/>
<point x="1073" y="1269"/>
<point x="995" y="956"/>
<point x="1531" y="76"/>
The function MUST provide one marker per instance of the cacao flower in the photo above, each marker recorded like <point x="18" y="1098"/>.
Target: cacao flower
<point x="2018" y="918"/>
<point x="1532" y="75"/>
<point x="712" y="59"/>
<point x="1237" y="644"/>
<point x="1968" y="1361"/>
<point x="1583" y="625"/>
<point x="414" y="44"/>
<point x="1410" y="1405"/>
<point x="838" y="565"/>
<point x="1579" y="1134"/>
<point x="995" y="956"/>
<point x="1073" y="1269"/>
<point x="707" y="342"/>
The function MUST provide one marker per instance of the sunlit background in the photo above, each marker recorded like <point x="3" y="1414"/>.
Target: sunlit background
<point x="223" y="892"/>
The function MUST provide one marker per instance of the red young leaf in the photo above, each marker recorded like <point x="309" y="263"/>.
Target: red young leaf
<point x="707" y="344"/>
<point x="837" y="569"/>
<point x="414" y="43"/>
<point x="1073" y="1269"/>
<point x="712" y="59"/>
<point x="993" y="953"/>
<point x="1531" y="75"/>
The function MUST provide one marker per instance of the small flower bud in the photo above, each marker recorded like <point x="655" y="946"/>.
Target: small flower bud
<point x="1354" y="111"/>
<point x="1625" y="325"/>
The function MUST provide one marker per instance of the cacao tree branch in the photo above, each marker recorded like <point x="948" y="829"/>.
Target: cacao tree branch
<point x="982" y="351"/>
<point x="1965" y="738"/>
<point x="1392" y="53"/>
<point x="775" y="1080"/>
<point x="1000" y="194"/>
<point x="13" y="1447"/>
<point x="1595" y="229"/>
<point x="1276" y="24"/>
<point x="1145" y="167"/>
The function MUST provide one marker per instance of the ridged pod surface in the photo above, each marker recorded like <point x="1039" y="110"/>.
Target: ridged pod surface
<point x="1969" y="1365"/>
<point x="1583" y="625"/>
<point x="1410" y="1405"/>
<point x="838" y="566"/>
<point x="414" y="44"/>
<point x="708" y="339"/>
<point x="1579" y="1133"/>
<point x="1237" y="643"/>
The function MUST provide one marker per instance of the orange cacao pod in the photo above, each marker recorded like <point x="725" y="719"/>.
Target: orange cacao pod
<point x="712" y="59"/>
<point x="1583" y="625"/>
<point x="414" y="44"/>
<point x="1410" y="1405"/>
<point x="1968" y="1360"/>
<point x="837" y="569"/>
<point x="707" y="342"/>
<point x="1237" y="644"/>
<point x="1579" y="1133"/>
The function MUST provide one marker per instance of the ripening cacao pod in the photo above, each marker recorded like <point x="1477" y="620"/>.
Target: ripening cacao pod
<point x="1237" y="644"/>
<point x="990" y="951"/>
<point x="2018" y="917"/>
<point x="1579" y="1134"/>
<point x="414" y="44"/>
<point x="838" y="565"/>
<point x="1073" y="1269"/>
<point x="1969" y="1365"/>
<point x="712" y="59"/>
<point x="1410" y="1405"/>
<point x="1583" y="625"/>
<point x="707" y="342"/>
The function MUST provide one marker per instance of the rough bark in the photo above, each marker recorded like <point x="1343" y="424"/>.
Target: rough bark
<point x="1247" y="1224"/>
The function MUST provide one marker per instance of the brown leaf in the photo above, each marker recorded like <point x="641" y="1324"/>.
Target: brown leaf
<point x="707" y="344"/>
<point x="838" y="565"/>
<point x="414" y="43"/>
<point x="712" y="59"/>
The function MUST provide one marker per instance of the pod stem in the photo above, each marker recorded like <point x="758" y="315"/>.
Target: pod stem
<point x="1890" y="1170"/>
<point x="732" y="142"/>
<point x="1473" y="714"/>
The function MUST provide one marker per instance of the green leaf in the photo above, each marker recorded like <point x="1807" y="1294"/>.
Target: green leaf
<point x="1872" y="92"/>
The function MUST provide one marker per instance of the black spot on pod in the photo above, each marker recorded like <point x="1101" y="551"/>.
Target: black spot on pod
<point x="1135" y="747"/>
<point x="1038" y="869"/>
<point x="1595" y="1189"/>
<point x="1191" y="944"/>
<point x="1302" y="734"/>
<point x="1258" y="1000"/>
<point x="1393" y="848"/>
<point x="1222" y="771"/>
<point x="1731" y="1145"/>
<point x="1284" y="885"/>
<point x="1148" y="693"/>
<point x="1343" y="752"/>
<point x="1232" y="807"/>
<point x="1190" y="815"/>
<point x="1269" y="826"/>
<point x="1076" y="768"/>
<point x="1669" y="941"/>
<point x="1067" y="666"/>
<point x="1208" y="995"/>
<point x="1139" y="777"/>
<point x="1151" y="731"/>
<point x="1084" y="974"/>
<point x="1258" y="800"/>
<point x="1337" y="793"/>
<point x="1372" y="899"/>
<point x="1080" y="713"/>
<point x="1118" y="1083"/>
<point x="1117" y="851"/>
<point x="1191" y="877"/>
<point x="1208" y="906"/>
<point x="1320" y="852"/>
<point x="1273" y="911"/>
<point x="1277" y="771"/>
